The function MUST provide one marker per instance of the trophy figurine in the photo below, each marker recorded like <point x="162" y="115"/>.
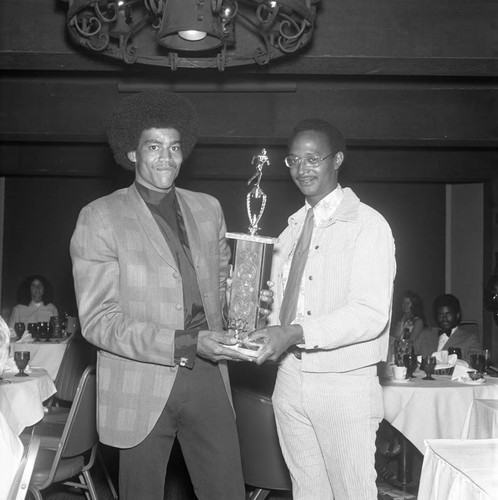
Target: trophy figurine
<point x="252" y="263"/>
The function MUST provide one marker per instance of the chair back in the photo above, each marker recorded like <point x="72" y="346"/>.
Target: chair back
<point x="80" y="430"/>
<point x="471" y="327"/>
<point x="79" y="355"/>
<point x="20" y="484"/>
<point x="263" y="465"/>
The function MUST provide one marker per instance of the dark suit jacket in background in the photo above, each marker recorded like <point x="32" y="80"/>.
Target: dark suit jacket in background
<point x="426" y="342"/>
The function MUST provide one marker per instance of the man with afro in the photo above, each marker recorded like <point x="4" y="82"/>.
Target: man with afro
<point x="150" y="265"/>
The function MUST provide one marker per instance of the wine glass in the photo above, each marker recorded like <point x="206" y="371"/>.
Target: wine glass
<point x="410" y="361"/>
<point x="477" y="362"/>
<point x="429" y="365"/>
<point x="19" y="329"/>
<point x="21" y="359"/>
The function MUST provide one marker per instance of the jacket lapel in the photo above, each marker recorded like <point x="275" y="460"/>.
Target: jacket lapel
<point x="191" y="228"/>
<point x="150" y="227"/>
<point x="455" y="338"/>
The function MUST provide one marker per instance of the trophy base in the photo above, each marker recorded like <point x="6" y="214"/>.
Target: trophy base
<point x="248" y="348"/>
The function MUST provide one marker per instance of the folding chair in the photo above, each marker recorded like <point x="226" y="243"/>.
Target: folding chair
<point x="77" y="448"/>
<point x="20" y="484"/>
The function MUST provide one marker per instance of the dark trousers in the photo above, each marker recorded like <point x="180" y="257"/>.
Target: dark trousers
<point x="198" y="412"/>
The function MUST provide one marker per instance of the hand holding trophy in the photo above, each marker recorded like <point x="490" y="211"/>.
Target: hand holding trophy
<point x="252" y="263"/>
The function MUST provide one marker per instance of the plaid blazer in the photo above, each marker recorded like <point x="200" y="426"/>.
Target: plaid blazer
<point x="130" y="301"/>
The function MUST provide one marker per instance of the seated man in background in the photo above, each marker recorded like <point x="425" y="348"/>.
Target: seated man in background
<point x="447" y="313"/>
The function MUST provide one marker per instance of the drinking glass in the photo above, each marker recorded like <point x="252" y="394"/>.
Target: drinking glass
<point x="44" y="333"/>
<point x="410" y="361"/>
<point x="428" y="365"/>
<point x="402" y="347"/>
<point x="21" y="359"/>
<point x="477" y="362"/>
<point x="34" y="330"/>
<point x="55" y="327"/>
<point x="19" y="329"/>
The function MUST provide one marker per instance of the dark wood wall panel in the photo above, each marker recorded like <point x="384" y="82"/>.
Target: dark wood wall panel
<point x="41" y="212"/>
<point x="233" y="162"/>
<point x="78" y="109"/>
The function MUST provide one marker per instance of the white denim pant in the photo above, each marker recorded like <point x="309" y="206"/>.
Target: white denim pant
<point x="327" y="424"/>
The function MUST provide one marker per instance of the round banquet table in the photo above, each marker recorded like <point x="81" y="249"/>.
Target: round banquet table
<point x="464" y="469"/>
<point x="424" y="409"/>
<point x="21" y="398"/>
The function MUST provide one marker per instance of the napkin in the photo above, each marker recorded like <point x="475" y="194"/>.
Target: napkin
<point x="10" y="367"/>
<point x="27" y="337"/>
<point x="460" y="371"/>
<point x="443" y="360"/>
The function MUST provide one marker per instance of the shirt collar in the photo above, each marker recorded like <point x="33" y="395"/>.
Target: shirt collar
<point x="327" y="206"/>
<point x="156" y="198"/>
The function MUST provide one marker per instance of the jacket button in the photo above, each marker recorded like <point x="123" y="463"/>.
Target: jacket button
<point x="176" y="275"/>
<point x="310" y="278"/>
<point x="178" y="307"/>
<point x="308" y="313"/>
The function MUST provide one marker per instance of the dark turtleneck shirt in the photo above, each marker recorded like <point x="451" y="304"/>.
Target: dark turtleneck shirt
<point x="166" y="211"/>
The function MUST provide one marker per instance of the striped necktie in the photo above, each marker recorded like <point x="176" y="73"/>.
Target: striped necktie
<point x="291" y="294"/>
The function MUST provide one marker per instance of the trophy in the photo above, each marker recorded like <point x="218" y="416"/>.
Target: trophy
<point x="252" y="264"/>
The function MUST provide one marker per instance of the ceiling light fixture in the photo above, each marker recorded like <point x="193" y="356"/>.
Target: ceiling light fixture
<point x="192" y="33"/>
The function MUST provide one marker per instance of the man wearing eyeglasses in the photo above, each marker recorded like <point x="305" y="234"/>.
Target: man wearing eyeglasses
<point x="333" y="272"/>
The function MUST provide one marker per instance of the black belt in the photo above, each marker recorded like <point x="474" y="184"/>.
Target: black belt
<point x="297" y="351"/>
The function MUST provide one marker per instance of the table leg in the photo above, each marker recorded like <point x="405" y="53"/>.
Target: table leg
<point x="405" y="461"/>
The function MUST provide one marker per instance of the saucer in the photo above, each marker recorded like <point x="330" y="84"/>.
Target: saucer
<point x="466" y="380"/>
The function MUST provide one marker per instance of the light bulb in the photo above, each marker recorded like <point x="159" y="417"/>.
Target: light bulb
<point x="192" y="35"/>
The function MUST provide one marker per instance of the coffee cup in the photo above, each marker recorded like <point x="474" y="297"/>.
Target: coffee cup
<point x="399" y="372"/>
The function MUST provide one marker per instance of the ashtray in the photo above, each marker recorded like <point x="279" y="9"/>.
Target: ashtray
<point x="474" y="375"/>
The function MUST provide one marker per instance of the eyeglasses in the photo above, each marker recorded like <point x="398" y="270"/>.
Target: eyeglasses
<point x="312" y="161"/>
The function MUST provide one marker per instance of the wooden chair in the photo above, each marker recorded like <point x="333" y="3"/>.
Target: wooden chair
<point x="20" y="484"/>
<point x="77" y="447"/>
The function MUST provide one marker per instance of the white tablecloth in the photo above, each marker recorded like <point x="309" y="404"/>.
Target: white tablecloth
<point x="482" y="420"/>
<point x="46" y="355"/>
<point x="21" y="398"/>
<point x="460" y="469"/>
<point x="425" y="409"/>
<point x="11" y="450"/>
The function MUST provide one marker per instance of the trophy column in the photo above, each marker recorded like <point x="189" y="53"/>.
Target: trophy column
<point x="251" y="271"/>
<point x="251" y="265"/>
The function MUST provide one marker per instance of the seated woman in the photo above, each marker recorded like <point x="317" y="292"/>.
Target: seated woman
<point x="412" y="319"/>
<point x="34" y="302"/>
